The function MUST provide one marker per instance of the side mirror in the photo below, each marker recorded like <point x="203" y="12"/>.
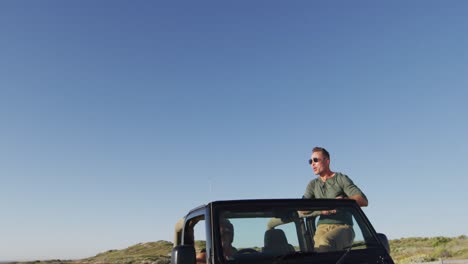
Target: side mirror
<point x="183" y="254"/>
<point x="383" y="238"/>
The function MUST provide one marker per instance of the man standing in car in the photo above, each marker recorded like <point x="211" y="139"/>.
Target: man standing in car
<point x="334" y="228"/>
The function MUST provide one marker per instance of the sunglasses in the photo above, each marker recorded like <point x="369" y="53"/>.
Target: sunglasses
<point x="314" y="160"/>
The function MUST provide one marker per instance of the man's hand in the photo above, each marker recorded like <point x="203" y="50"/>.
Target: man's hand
<point x="328" y="212"/>
<point x="360" y="200"/>
<point x="303" y="213"/>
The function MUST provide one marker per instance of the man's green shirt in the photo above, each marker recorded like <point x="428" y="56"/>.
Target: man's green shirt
<point x="338" y="185"/>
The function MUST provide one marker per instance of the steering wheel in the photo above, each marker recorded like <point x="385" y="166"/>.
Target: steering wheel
<point x="247" y="250"/>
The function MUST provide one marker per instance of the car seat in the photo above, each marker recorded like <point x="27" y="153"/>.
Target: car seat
<point x="276" y="243"/>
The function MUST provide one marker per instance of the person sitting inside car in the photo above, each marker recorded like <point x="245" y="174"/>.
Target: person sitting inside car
<point x="227" y="237"/>
<point x="201" y="256"/>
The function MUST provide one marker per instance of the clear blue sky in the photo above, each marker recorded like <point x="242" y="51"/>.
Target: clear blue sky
<point x="120" y="116"/>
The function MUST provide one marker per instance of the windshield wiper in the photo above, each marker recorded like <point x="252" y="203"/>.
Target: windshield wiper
<point x="342" y="258"/>
<point x="348" y="249"/>
<point x="300" y="254"/>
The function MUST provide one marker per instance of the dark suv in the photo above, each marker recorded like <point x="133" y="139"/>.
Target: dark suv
<point x="273" y="231"/>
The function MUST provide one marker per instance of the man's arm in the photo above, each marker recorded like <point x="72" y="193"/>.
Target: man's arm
<point x="353" y="191"/>
<point x="309" y="192"/>
<point x="362" y="201"/>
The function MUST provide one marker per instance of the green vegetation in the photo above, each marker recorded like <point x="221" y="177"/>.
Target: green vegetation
<point x="404" y="250"/>
<point x="422" y="249"/>
<point x="144" y="253"/>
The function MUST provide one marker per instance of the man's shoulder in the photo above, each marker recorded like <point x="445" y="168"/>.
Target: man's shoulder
<point x="340" y="174"/>
<point x="313" y="181"/>
<point x="341" y="178"/>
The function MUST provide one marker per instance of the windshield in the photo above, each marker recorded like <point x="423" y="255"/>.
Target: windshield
<point x="264" y="231"/>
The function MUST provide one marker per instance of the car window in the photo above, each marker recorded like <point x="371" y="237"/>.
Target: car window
<point x="200" y="235"/>
<point x="265" y="232"/>
<point x="251" y="232"/>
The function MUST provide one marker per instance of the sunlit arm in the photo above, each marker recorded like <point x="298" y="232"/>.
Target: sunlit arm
<point x="360" y="200"/>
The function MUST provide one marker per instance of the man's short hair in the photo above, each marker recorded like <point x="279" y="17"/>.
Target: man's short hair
<point x="227" y="227"/>
<point x="226" y="224"/>
<point x="324" y="152"/>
